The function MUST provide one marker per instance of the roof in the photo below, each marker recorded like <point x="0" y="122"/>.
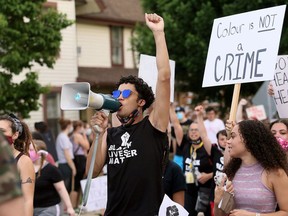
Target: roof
<point x="103" y="76"/>
<point x="122" y="11"/>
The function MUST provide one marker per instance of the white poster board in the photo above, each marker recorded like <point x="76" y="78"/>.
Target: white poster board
<point x="170" y="208"/>
<point x="243" y="47"/>
<point x="148" y="72"/>
<point x="256" y="112"/>
<point x="97" y="197"/>
<point x="280" y="86"/>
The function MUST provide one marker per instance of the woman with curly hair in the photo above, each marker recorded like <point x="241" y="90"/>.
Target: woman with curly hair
<point x="258" y="169"/>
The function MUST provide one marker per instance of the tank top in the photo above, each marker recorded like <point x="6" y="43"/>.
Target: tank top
<point x="18" y="157"/>
<point x="77" y="149"/>
<point x="250" y="193"/>
<point x="134" y="165"/>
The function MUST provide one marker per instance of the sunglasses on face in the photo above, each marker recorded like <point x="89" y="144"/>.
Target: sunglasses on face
<point x="125" y="93"/>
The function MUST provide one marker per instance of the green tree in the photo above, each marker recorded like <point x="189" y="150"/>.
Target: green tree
<point x="30" y="33"/>
<point x="188" y="25"/>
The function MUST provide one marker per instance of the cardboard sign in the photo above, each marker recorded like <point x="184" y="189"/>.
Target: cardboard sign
<point x="256" y="112"/>
<point x="280" y="86"/>
<point x="243" y="47"/>
<point x="97" y="197"/>
<point x="148" y="72"/>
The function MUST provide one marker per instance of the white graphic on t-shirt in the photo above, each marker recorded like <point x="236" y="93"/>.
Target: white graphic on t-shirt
<point x="219" y="166"/>
<point x="117" y="156"/>
<point x="125" y="137"/>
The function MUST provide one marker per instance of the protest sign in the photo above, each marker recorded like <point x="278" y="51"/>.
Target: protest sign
<point x="148" y="72"/>
<point x="171" y="208"/>
<point x="97" y="197"/>
<point x="241" y="50"/>
<point x="244" y="47"/>
<point x="256" y="112"/>
<point x="262" y="98"/>
<point x="280" y="86"/>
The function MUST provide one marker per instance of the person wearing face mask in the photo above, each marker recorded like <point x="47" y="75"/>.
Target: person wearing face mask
<point x="88" y="132"/>
<point x="198" y="170"/>
<point x="49" y="185"/>
<point x="64" y="148"/>
<point x="279" y="129"/>
<point x="19" y="137"/>
<point x="184" y="122"/>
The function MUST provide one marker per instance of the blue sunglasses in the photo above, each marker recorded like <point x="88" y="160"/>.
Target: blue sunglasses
<point x="125" y="93"/>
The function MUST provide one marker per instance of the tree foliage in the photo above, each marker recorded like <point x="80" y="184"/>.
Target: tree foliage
<point x="188" y="25"/>
<point x="30" y="33"/>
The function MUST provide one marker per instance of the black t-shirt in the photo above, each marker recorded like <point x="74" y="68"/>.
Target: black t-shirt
<point x="134" y="169"/>
<point x="45" y="194"/>
<point x="174" y="179"/>
<point x="202" y="162"/>
<point x="217" y="159"/>
<point x="218" y="165"/>
<point x="50" y="143"/>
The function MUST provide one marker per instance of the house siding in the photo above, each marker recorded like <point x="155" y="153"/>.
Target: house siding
<point x="65" y="69"/>
<point x="94" y="42"/>
<point x="92" y="37"/>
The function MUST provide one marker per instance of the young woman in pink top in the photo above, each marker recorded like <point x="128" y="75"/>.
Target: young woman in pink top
<point x="258" y="170"/>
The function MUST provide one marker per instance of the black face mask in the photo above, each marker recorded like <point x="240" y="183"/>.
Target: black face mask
<point x="127" y="121"/>
<point x="221" y="148"/>
<point x="196" y="142"/>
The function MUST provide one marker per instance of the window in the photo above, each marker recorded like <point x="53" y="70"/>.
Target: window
<point x="53" y="112"/>
<point x="117" y="45"/>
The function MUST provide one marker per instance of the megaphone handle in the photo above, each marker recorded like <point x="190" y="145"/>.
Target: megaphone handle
<point x="90" y="172"/>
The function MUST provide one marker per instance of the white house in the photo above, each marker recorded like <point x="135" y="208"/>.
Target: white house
<point x="96" y="49"/>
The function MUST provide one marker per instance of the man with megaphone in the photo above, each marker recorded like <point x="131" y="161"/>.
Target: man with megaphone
<point x="134" y="151"/>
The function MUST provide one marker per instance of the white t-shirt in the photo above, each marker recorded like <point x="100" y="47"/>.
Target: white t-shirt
<point x="213" y="127"/>
<point x="63" y="142"/>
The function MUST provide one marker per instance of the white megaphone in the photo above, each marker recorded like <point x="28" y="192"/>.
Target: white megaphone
<point x="77" y="96"/>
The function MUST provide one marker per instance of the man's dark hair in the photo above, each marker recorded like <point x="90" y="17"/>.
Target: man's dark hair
<point x="41" y="126"/>
<point x="210" y="108"/>
<point x="144" y="91"/>
<point x="37" y="136"/>
<point x="222" y="132"/>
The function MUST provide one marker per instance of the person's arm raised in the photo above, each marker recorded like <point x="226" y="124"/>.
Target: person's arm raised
<point x="202" y="130"/>
<point x="176" y="124"/>
<point x="239" y="112"/>
<point x="160" y="114"/>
